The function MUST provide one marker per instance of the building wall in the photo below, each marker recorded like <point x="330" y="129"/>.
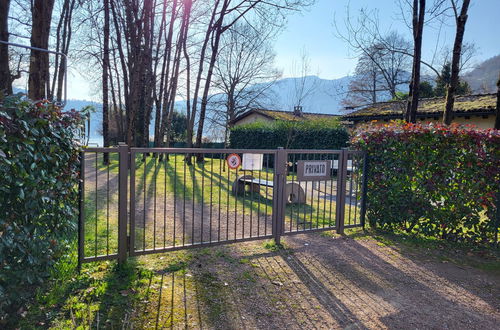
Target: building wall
<point x="477" y="121"/>
<point x="252" y="118"/>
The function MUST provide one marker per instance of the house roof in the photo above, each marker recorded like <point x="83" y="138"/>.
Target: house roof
<point x="285" y="115"/>
<point x="478" y="104"/>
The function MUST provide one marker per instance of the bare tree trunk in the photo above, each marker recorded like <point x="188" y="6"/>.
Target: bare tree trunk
<point x="105" y="87"/>
<point x="218" y="30"/>
<point x="157" y="94"/>
<point x="132" y="32"/>
<point x="141" y="61"/>
<point x="114" y="109"/>
<point x="65" y="8"/>
<point x="418" y="28"/>
<point x="67" y="34"/>
<point x="374" y="87"/>
<point x="5" y="77"/>
<point x="455" y="62"/>
<point x="38" y="81"/>
<point x="163" y="98"/>
<point x="149" y="77"/>
<point x="497" y="117"/>
<point x="183" y="35"/>
<point x="118" y="101"/>
<point x="124" y="78"/>
<point x="188" y="97"/>
<point x="192" y="114"/>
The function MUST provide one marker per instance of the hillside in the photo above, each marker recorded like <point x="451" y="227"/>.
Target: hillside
<point x="483" y="77"/>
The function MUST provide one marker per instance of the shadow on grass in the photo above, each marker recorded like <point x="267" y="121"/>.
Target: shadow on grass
<point x="101" y="295"/>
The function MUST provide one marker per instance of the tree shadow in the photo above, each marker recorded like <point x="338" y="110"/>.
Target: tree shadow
<point x="397" y="293"/>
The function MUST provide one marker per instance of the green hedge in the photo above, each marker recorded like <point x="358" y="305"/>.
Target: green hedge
<point x="38" y="170"/>
<point x="324" y="134"/>
<point x="433" y="180"/>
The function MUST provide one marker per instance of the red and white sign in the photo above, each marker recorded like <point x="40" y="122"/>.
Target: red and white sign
<point x="233" y="161"/>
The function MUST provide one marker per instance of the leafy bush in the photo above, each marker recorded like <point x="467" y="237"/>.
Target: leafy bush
<point x="432" y="179"/>
<point x="314" y="134"/>
<point x="38" y="195"/>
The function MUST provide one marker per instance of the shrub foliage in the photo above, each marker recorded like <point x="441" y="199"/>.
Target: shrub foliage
<point x="38" y="171"/>
<point x="314" y="134"/>
<point x="435" y="180"/>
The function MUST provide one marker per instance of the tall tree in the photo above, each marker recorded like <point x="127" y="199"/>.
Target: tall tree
<point x="244" y="72"/>
<point x="461" y="20"/>
<point x="365" y="86"/>
<point x="304" y="84"/>
<point x="64" y="33"/>
<point x="38" y="80"/>
<point x="497" y="116"/>
<point x="444" y="80"/>
<point x="418" y="18"/>
<point x="105" y="75"/>
<point x="226" y="14"/>
<point x="380" y="71"/>
<point x="5" y="76"/>
<point x="161" y="96"/>
<point x="384" y="58"/>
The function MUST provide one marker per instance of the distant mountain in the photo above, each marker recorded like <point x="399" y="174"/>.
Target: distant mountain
<point x="321" y="95"/>
<point x="325" y="96"/>
<point x="483" y="78"/>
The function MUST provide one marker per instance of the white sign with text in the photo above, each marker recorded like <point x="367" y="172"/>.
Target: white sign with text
<point x="252" y="162"/>
<point x="313" y="170"/>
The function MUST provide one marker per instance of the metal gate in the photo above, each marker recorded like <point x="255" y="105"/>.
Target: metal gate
<point x="151" y="200"/>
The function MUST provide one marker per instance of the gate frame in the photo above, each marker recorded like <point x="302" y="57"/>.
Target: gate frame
<point x="126" y="198"/>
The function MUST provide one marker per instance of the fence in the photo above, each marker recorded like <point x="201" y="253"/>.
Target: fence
<point x="151" y="200"/>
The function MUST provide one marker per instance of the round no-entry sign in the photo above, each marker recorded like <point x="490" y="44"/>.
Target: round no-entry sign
<point x="233" y="161"/>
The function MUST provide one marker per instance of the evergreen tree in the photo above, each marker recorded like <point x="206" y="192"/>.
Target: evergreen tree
<point x="444" y="80"/>
<point x="426" y="90"/>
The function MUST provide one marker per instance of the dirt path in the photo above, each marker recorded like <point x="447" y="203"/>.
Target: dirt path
<point x="318" y="282"/>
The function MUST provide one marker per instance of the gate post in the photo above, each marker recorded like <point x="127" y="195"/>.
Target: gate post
<point x="341" y="191"/>
<point x="280" y="166"/>
<point x="81" y="207"/>
<point x="122" y="202"/>
<point x="364" y="189"/>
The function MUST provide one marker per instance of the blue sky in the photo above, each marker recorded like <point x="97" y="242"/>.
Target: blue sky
<point x="313" y="30"/>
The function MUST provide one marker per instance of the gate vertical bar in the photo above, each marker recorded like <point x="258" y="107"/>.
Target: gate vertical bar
<point x="341" y="191"/>
<point x="122" y="202"/>
<point x="132" y="203"/>
<point x="81" y="206"/>
<point x="364" y="190"/>
<point x="280" y="162"/>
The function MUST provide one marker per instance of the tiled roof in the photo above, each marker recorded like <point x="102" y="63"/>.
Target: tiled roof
<point x="286" y="115"/>
<point x="467" y="104"/>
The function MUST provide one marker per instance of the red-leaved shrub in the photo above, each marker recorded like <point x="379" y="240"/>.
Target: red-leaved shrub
<point x="436" y="180"/>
